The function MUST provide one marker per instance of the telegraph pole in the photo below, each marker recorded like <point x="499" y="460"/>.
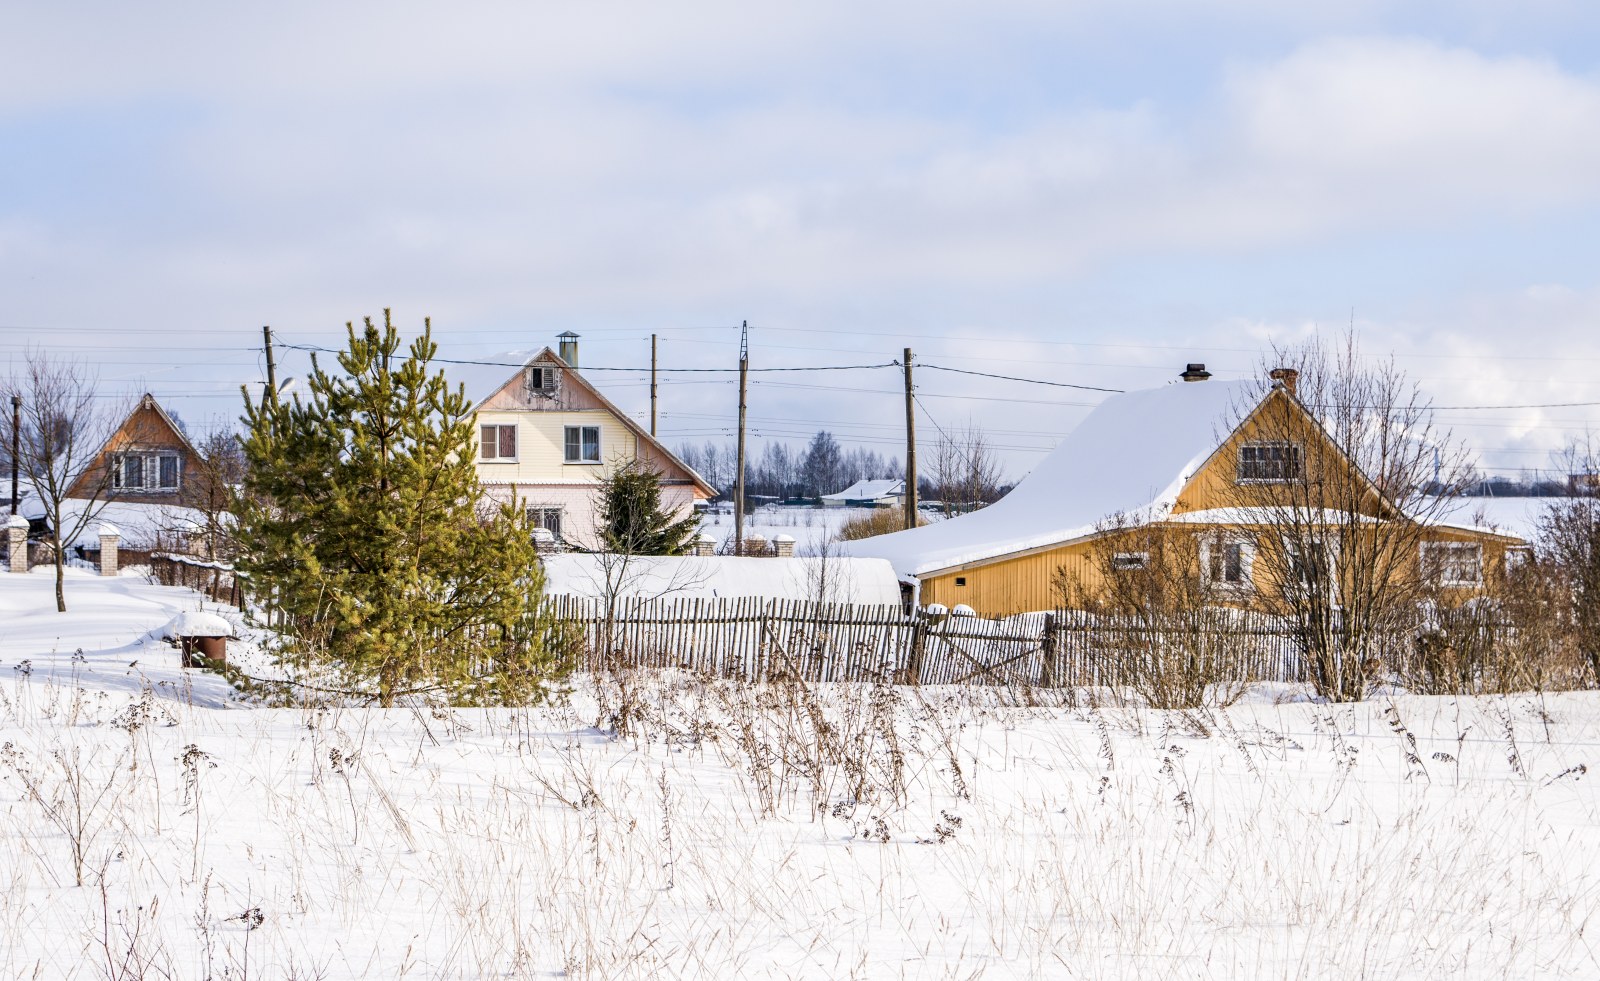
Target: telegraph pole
<point x="16" y="449"/>
<point x="272" y="368"/>
<point x="738" y="477"/>
<point x="911" y="449"/>
<point x="652" y="384"/>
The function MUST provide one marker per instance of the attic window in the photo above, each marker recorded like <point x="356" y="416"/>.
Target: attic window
<point x="541" y="378"/>
<point x="146" y="473"/>
<point x="1269" y="462"/>
<point x="1130" y="561"/>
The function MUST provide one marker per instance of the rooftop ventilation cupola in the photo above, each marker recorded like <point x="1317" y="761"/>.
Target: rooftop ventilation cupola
<point x="569" y="347"/>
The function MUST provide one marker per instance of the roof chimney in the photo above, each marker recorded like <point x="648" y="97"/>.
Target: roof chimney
<point x="569" y="347"/>
<point x="1195" y="373"/>
<point x="1287" y="377"/>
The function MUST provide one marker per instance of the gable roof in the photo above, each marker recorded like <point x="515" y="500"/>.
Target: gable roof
<point x="480" y="389"/>
<point x="869" y="490"/>
<point x="1132" y="455"/>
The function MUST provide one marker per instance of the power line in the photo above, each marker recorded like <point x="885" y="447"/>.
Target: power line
<point x="1017" y="378"/>
<point x="510" y="364"/>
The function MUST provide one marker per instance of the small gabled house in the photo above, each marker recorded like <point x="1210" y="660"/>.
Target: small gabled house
<point x="148" y="460"/>
<point x="546" y="438"/>
<point x="1225" y="463"/>
<point x="868" y="494"/>
<point x="147" y="480"/>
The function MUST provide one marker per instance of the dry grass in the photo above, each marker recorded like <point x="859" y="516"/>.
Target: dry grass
<point x="784" y="830"/>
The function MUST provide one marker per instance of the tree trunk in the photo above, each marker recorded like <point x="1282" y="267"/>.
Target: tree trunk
<point x="61" y="573"/>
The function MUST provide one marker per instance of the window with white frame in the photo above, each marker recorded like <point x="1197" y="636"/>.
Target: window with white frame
<point x="1517" y="556"/>
<point x="146" y="473"/>
<point x="1130" y="561"/>
<point x="548" y="518"/>
<point x="1310" y="563"/>
<point x="1453" y="563"/>
<point x="1269" y="462"/>
<point x="498" y="442"/>
<point x="1227" y="561"/>
<point x="582" y="444"/>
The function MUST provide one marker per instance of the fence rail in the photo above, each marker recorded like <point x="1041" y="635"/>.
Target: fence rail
<point x="764" y="639"/>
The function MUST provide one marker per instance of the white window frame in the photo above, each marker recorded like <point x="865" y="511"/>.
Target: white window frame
<point x="1516" y="557"/>
<point x="497" y="457"/>
<point x="1247" y="562"/>
<point x="1130" y="561"/>
<point x="537" y="514"/>
<point x="1438" y="570"/>
<point x="1298" y="455"/>
<point x="566" y="445"/>
<point x="149" y="465"/>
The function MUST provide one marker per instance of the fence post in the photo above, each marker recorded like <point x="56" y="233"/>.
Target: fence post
<point x="109" y="537"/>
<point x="17" y="542"/>
<point x="919" y="637"/>
<point x="1047" y="646"/>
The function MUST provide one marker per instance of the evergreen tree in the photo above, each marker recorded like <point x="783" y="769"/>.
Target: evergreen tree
<point x="631" y="518"/>
<point x="362" y="525"/>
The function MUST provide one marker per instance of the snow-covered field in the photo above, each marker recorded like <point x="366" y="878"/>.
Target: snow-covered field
<point x="941" y="834"/>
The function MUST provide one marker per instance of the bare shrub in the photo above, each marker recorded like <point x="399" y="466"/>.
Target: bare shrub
<point x="1155" y="619"/>
<point x="879" y="521"/>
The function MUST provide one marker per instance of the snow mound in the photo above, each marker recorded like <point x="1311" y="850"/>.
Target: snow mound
<point x="192" y="623"/>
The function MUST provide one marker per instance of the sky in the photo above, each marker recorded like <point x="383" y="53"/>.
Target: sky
<point x="1079" y="193"/>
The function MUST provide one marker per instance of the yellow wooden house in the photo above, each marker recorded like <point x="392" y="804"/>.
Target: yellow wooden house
<point x="1233" y="468"/>
<point x="546" y="438"/>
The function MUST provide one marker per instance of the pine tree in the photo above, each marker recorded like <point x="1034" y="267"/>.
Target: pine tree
<point x="631" y="518"/>
<point x="363" y="525"/>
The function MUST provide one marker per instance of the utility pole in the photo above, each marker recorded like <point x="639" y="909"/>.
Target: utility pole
<point x="738" y="477"/>
<point x="272" y="368"/>
<point x="911" y="449"/>
<point x="16" y="449"/>
<point x="652" y="384"/>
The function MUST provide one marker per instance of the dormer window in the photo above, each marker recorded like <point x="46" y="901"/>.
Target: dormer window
<point x="1270" y="462"/>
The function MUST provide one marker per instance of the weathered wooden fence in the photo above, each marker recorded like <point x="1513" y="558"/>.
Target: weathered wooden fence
<point x="763" y="639"/>
<point x="215" y="579"/>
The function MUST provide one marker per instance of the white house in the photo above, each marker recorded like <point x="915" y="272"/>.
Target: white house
<point x="868" y="494"/>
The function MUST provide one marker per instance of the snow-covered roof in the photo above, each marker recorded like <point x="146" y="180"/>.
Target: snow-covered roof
<point x="1518" y="516"/>
<point x="138" y="524"/>
<point x="1131" y="455"/>
<point x="834" y="579"/>
<point x="868" y="490"/>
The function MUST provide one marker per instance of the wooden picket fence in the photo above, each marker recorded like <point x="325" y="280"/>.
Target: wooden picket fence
<point x="763" y="639"/>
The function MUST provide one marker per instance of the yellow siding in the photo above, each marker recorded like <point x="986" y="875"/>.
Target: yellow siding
<point x="541" y="446"/>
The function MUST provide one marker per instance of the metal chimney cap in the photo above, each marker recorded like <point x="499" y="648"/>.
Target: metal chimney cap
<point x="567" y="335"/>
<point x="1195" y="372"/>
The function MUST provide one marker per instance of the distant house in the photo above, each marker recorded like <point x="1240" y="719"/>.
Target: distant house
<point x="546" y="437"/>
<point x="149" y="478"/>
<point x="148" y="460"/>
<point x="1217" y="460"/>
<point x="868" y="494"/>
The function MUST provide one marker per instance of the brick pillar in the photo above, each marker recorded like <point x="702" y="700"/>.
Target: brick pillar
<point x="705" y="545"/>
<point x="784" y="545"/>
<point x="109" y="537"/>
<point x="17" y="542"/>
<point x="755" y="544"/>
